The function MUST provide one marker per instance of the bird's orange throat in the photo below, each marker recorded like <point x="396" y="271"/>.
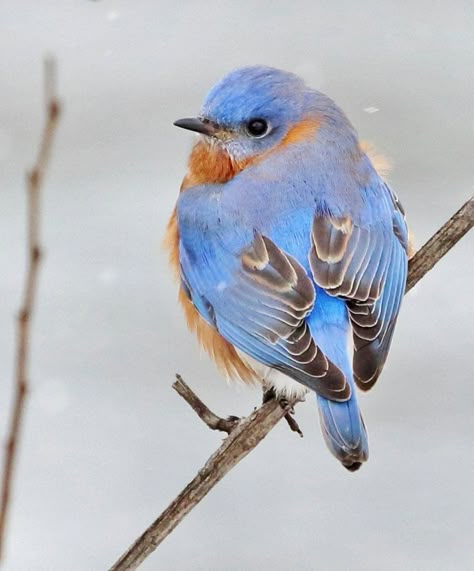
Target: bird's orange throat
<point x="209" y="163"/>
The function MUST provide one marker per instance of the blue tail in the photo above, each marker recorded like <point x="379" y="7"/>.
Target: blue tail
<point x="344" y="431"/>
<point x="341" y="422"/>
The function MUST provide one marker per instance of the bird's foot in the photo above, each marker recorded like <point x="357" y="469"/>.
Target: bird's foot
<point x="227" y="424"/>
<point x="269" y="394"/>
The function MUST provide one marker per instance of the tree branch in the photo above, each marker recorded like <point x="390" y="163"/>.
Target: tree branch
<point x="213" y="421"/>
<point x="440" y="243"/>
<point x="245" y="436"/>
<point x="34" y="181"/>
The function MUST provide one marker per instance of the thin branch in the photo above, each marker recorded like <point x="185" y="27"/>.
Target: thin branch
<point x="253" y="429"/>
<point x="213" y="421"/>
<point x="34" y="181"/>
<point x="440" y="243"/>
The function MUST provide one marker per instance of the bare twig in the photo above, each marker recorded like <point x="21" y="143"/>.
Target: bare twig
<point x="440" y="243"/>
<point x="213" y="421"/>
<point x="251" y="430"/>
<point x="34" y="181"/>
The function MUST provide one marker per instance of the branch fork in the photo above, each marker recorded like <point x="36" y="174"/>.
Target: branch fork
<point x="213" y="421"/>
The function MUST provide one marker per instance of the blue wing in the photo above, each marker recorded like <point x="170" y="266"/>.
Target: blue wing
<point x="365" y="263"/>
<point x="259" y="301"/>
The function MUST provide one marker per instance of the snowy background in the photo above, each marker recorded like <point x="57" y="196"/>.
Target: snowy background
<point x="107" y="443"/>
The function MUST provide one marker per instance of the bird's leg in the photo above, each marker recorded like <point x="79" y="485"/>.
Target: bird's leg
<point x="269" y="394"/>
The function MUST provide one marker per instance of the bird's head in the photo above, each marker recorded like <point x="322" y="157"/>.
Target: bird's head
<point x="255" y="110"/>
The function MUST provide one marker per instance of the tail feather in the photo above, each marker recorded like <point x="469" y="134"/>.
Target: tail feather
<point x="344" y="431"/>
<point x="341" y="422"/>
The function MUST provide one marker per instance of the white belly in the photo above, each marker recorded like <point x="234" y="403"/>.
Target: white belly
<point x="281" y="383"/>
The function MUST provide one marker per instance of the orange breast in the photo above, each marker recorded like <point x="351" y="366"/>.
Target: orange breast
<point x="209" y="164"/>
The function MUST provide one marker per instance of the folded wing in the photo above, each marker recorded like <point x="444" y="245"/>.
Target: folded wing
<point x="365" y="264"/>
<point x="261" y="307"/>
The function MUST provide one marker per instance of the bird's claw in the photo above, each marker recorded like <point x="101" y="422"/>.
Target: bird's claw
<point x="269" y="394"/>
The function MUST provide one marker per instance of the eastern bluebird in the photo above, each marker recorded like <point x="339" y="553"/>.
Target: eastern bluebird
<point x="290" y="249"/>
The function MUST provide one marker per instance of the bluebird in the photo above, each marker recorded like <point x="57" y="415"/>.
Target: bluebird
<point x="289" y="247"/>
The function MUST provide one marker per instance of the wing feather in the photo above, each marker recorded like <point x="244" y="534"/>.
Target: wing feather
<point x="366" y="264"/>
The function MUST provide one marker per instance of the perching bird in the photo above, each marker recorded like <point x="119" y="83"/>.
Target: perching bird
<point x="290" y="248"/>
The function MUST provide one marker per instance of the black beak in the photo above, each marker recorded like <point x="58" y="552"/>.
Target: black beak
<point x="198" y="124"/>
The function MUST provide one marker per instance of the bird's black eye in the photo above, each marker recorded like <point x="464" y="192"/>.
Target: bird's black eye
<point x="257" y="128"/>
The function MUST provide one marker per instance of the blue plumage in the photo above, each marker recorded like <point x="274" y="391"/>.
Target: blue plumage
<point x="301" y="249"/>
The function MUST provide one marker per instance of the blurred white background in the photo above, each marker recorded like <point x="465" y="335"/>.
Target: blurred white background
<point x="107" y="443"/>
